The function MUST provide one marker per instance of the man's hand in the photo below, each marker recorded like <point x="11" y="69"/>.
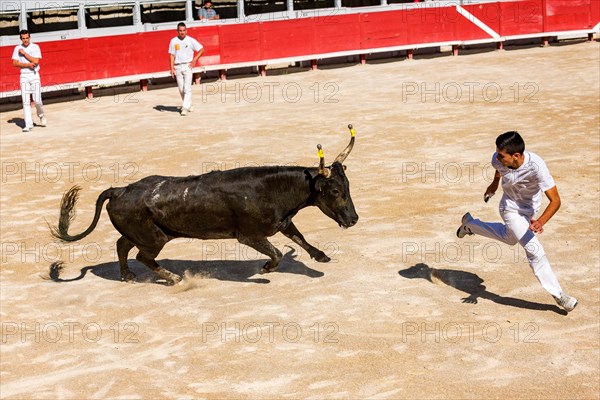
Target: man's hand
<point x="27" y="56"/>
<point x="536" y="226"/>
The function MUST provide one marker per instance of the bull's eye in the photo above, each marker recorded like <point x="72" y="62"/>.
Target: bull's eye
<point x="335" y="193"/>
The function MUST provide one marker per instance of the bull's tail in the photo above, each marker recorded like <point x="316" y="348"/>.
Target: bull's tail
<point x="67" y="214"/>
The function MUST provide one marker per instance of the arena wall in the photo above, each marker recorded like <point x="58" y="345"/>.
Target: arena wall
<point x="87" y="62"/>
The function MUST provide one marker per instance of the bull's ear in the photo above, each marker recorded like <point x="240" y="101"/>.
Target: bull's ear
<point x="307" y="175"/>
<point x="320" y="183"/>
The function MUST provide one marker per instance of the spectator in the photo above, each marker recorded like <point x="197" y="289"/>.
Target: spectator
<point x="182" y="60"/>
<point x="524" y="177"/>
<point x="27" y="56"/>
<point x="207" y="12"/>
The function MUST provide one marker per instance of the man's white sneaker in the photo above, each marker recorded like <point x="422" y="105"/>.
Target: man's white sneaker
<point x="191" y="109"/>
<point x="184" y="112"/>
<point x="43" y="121"/>
<point x="567" y="302"/>
<point x="26" y="129"/>
<point x="463" y="231"/>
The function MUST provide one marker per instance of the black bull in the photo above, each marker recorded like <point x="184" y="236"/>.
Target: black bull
<point x="248" y="204"/>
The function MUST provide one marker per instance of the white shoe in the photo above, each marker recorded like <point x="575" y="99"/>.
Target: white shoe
<point x="43" y="120"/>
<point x="567" y="302"/>
<point x="463" y="231"/>
<point x="26" y="129"/>
<point x="191" y="109"/>
<point x="184" y="112"/>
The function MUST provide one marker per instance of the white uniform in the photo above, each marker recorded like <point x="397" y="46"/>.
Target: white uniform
<point x="30" y="82"/>
<point x="183" y="50"/>
<point x="521" y="200"/>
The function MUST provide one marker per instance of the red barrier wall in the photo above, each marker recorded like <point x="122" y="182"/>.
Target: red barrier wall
<point x="238" y="42"/>
<point x="566" y="15"/>
<point x="338" y="34"/>
<point x="520" y="18"/>
<point x="90" y="59"/>
<point x="488" y="13"/>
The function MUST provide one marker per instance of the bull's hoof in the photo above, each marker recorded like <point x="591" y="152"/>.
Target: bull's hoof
<point x="321" y="257"/>
<point x="173" y="279"/>
<point x="129" y="277"/>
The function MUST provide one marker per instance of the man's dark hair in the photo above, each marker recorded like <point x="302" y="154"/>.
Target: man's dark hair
<point x="23" y="32"/>
<point x="179" y="25"/>
<point x="510" y="142"/>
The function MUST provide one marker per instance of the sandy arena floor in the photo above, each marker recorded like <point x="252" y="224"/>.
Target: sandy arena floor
<point x="385" y="318"/>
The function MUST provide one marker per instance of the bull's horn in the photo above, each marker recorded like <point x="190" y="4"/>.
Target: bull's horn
<point x="322" y="170"/>
<point x="342" y="157"/>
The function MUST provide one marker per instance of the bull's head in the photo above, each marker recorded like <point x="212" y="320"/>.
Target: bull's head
<point x="333" y="188"/>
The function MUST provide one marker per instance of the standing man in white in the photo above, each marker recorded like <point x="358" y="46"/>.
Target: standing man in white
<point x="524" y="177"/>
<point x="182" y="59"/>
<point x="27" y="56"/>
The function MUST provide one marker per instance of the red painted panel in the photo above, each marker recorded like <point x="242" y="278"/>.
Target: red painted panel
<point x="208" y="36"/>
<point x="564" y="15"/>
<point x="113" y="56"/>
<point x="154" y="51"/>
<point x="488" y="13"/>
<point x="64" y="61"/>
<point x="336" y="33"/>
<point x="432" y="24"/>
<point x="281" y="39"/>
<point x="383" y="29"/>
<point x="9" y="75"/>
<point x="595" y="14"/>
<point x="239" y="42"/>
<point x="466" y="29"/>
<point x="521" y="17"/>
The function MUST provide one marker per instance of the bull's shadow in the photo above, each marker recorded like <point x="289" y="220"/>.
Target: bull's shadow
<point x="236" y="271"/>
<point x="472" y="285"/>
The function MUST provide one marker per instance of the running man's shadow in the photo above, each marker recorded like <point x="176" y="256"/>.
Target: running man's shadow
<point x="162" y="108"/>
<point x="236" y="271"/>
<point x="472" y="285"/>
<point x="20" y="122"/>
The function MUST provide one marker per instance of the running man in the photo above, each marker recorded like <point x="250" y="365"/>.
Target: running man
<point x="524" y="177"/>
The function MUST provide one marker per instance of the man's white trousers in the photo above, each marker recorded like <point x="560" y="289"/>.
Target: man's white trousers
<point x="31" y="86"/>
<point x="184" y="76"/>
<point x="516" y="230"/>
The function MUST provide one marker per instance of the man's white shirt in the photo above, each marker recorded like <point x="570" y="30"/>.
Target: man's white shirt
<point x="523" y="186"/>
<point x="183" y="50"/>
<point x="34" y="51"/>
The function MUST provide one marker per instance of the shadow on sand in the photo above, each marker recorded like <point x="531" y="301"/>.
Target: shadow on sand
<point x="20" y="122"/>
<point x="236" y="271"/>
<point x="172" y="109"/>
<point x="472" y="285"/>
